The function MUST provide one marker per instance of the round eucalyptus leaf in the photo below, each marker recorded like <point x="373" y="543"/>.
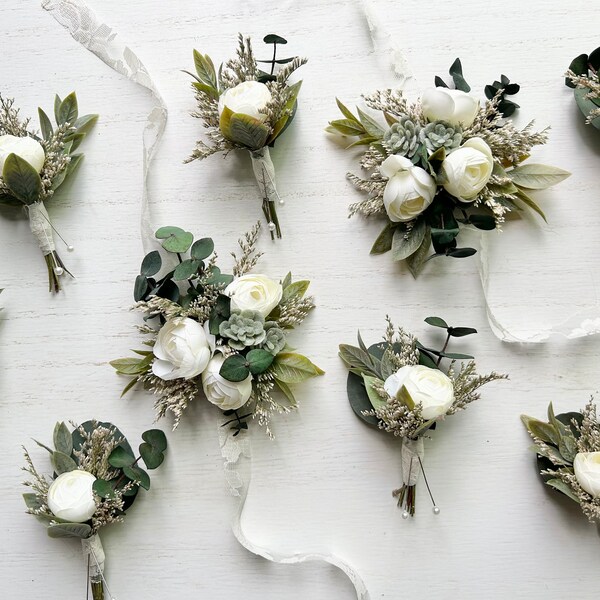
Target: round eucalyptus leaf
<point x="156" y="438"/>
<point x="103" y="488"/>
<point x="120" y="458"/>
<point x="151" y="455"/>
<point x="436" y="322"/>
<point x="175" y="239"/>
<point x="235" y="368"/>
<point x="151" y="264"/>
<point x="138" y="475"/>
<point x="273" y="38"/>
<point x="186" y="269"/>
<point x="140" y="288"/>
<point x="202" y="248"/>
<point x="259" y="360"/>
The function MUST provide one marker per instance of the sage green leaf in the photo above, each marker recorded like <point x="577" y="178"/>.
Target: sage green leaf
<point x="8" y="200"/>
<point x="374" y="398"/>
<point x="32" y="501"/>
<point x="247" y="131"/>
<point x="202" y="248"/>
<point x="129" y="386"/>
<point x="57" y="103"/>
<point x="404" y="244"/>
<point x="287" y="392"/>
<point x="69" y="530"/>
<point x="156" y="438"/>
<point x="383" y="243"/>
<point x="67" y="113"/>
<point x="290" y="367"/>
<point x="537" y="177"/>
<point x="175" y="239"/>
<point x="235" y="368"/>
<point x="45" y="124"/>
<point x="359" y="399"/>
<point x="103" y="488"/>
<point x="528" y="201"/>
<point x="347" y="113"/>
<point x="416" y="260"/>
<point x="151" y="264"/>
<point x="551" y="453"/>
<point x="436" y="322"/>
<point x="358" y="359"/>
<point x="131" y="366"/>
<point x="83" y="124"/>
<point x="22" y="179"/>
<point x="120" y="457"/>
<point x="287" y="280"/>
<point x="347" y="127"/>
<point x="186" y="269"/>
<point x="62" y="463"/>
<point x="544" y="431"/>
<point x="294" y="290"/>
<point x="152" y="456"/>
<point x="373" y="128"/>
<point x="259" y="360"/>
<point x="206" y="71"/>
<point x="63" y="441"/>
<point x="138" y="475"/>
<point x="561" y="486"/>
<point x="586" y="105"/>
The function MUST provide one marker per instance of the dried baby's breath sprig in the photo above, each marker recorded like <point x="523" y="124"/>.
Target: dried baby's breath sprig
<point x="590" y="82"/>
<point x="10" y="122"/>
<point x="249" y="257"/>
<point x="294" y="311"/>
<point x="466" y="382"/>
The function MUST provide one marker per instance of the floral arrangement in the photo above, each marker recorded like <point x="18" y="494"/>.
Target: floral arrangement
<point x="224" y="335"/>
<point x="442" y="162"/>
<point x="244" y="107"/>
<point x="568" y="451"/>
<point x="401" y="387"/>
<point x="96" y="478"/>
<point x="584" y="77"/>
<point x="32" y="168"/>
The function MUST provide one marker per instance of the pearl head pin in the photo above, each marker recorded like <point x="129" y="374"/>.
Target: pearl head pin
<point x="271" y="226"/>
<point x="59" y="271"/>
<point x="405" y="514"/>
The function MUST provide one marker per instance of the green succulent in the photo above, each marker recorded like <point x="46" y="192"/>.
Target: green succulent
<point x="244" y="328"/>
<point x="403" y="137"/>
<point x="440" y="134"/>
<point x="275" y="338"/>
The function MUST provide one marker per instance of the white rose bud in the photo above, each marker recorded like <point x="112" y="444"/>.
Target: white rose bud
<point x="254" y="292"/>
<point x="409" y="190"/>
<point x="419" y="384"/>
<point x="587" y="472"/>
<point x="24" y="147"/>
<point x="467" y="169"/>
<point x="453" y="106"/>
<point x="247" y="98"/>
<point x="227" y="395"/>
<point x="71" y="498"/>
<point x="182" y="349"/>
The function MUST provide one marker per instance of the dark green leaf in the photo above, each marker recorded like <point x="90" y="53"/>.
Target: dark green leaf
<point x="140" y="288"/>
<point x="67" y="113"/>
<point x="120" y="458"/>
<point x="235" y="368"/>
<point x="436" y="322"/>
<point x="273" y="38"/>
<point x="259" y="360"/>
<point x="457" y="76"/>
<point x="461" y="252"/>
<point x="151" y="264"/>
<point x="138" y="475"/>
<point x="186" y="269"/>
<point x="485" y="222"/>
<point x="151" y="456"/>
<point x="359" y="399"/>
<point x="461" y="331"/>
<point x="156" y="438"/>
<point x="455" y="356"/>
<point x="439" y="82"/>
<point x="594" y="59"/>
<point x="202" y="248"/>
<point x="221" y="312"/>
<point x="22" y="179"/>
<point x="426" y="360"/>
<point x="45" y="124"/>
<point x="169" y="290"/>
<point x="383" y="243"/>
<point x="103" y="488"/>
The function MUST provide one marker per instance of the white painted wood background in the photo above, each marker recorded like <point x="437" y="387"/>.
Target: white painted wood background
<point x="325" y="483"/>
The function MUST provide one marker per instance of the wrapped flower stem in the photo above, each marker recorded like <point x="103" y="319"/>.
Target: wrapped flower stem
<point x="264" y="171"/>
<point x="92" y="549"/>
<point x="412" y="454"/>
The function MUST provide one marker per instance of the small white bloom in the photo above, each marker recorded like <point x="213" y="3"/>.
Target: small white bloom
<point x="70" y="496"/>
<point x="247" y="98"/>
<point x="420" y="384"/>
<point x="182" y="349"/>
<point x="254" y="292"/>
<point x="587" y="472"/>
<point x="409" y="190"/>
<point x="227" y="395"/>
<point x="453" y="106"/>
<point x="467" y="169"/>
<point x="24" y="147"/>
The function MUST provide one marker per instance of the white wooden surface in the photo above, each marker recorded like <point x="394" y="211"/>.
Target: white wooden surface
<point x="325" y="483"/>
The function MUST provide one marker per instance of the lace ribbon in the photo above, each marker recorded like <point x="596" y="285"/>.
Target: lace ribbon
<point x="412" y="451"/>
<point x="100" y="39"/>
<point x="39" y="223"/>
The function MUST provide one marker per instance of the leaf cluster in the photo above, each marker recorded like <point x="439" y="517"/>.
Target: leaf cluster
<point x="584" y="77"/>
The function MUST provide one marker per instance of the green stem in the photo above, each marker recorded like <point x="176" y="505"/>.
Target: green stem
<point x="439" y="360"/>
<point x="274" y="55"/>
<point x="97" y="590"/>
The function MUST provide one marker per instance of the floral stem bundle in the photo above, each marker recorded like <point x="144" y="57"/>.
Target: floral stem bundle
<point x="568" y="453"/>
<point x="244" y="107"/>
<point x="402" y="387"/>
<point x="96" y="478"/>
<point x="441" y="163"/>
<point x="32" y="168"/>
<point x="220" y="334"/>
<point x="584" y="77"/>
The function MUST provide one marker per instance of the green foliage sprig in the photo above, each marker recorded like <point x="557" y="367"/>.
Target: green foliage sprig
<point x="407" y="132"/>
<point x="20" y="184"/>
<point x="583" y="76"/>
<point x="557" y="442"/>
<point x="252" y="345"/>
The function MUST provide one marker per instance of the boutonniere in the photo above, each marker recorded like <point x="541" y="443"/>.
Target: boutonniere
<point x="244" y="107"/>
<point x="223" y="335"/>
<point x="96" y="478"/>
<point x="32" y="168"/>
<point x="568" y="453"/>
<point x="402" y="387"/>
<point x="584" y="77"/>
<point x="440" y="163"/>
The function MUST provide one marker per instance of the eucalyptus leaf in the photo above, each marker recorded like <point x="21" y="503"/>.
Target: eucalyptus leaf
<point x="120" y="458"/>
<point x="138" y="475"/>
<point x="461" y="331"/>
<point x="152" y="456"/>
<point x="436" y="322"/>
<point x="259" y="360"/>
<point x="404" y="243"/>
<point x="202" y="248"/>
<point x="359" y="399"/>
<point x="175" y="239"/>
<point x="151" y="264"/>
<point x="156" y="438"/>
<point x="235" y="368"/>
<point x="140" y="288"/>
<point x="103" y="488"/>
<point x="187" y="269"/>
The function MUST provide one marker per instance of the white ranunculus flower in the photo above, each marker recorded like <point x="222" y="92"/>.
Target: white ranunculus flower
<point x="587" y="472"/>
<point x="247" y="98"/>
<point x="409" y="190"/>
<point x="254" y="292"/>
<point x="467" y="169"/>
<point x="419" y="384"/>
<point x="70" y="496"/>
<point x="227" y="395"/>
<point x="453" y="106"/>
<point x="183" y="348"/>
<point x="24" y="147"/>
